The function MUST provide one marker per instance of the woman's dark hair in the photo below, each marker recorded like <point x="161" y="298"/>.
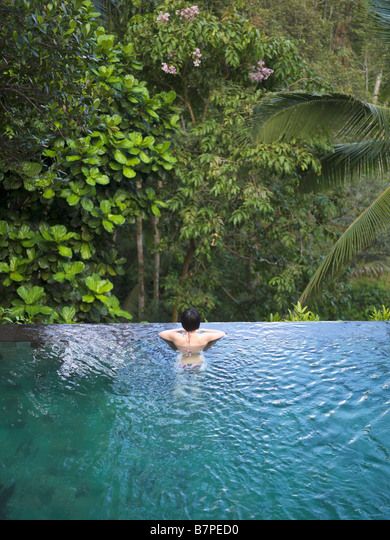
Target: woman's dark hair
<point x="190" y="319"/>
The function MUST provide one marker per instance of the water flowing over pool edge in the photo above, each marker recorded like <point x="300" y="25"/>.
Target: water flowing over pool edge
<point x="289" y="421"/>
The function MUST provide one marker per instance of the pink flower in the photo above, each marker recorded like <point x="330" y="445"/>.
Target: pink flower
<point x="163" y="17"/>
<point x="167" y="68"/>
<point x="196" y="56"/>
<point x="260" y="73"/>
<point x="188" y="13"/>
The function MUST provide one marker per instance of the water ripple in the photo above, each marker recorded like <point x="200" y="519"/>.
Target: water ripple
<point x="287" y="421"/>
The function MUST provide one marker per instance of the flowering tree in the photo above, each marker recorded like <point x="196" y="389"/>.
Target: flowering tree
<point x="232" y="210"/>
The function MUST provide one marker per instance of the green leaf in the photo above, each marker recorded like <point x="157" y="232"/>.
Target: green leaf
<point x="65" y="251"/>
<point x="144" y="157"/>
<point x="85" y="251"/>
<point x="3" y="227"/>
<point x="155" y="210"/>
<point x="103" y="179"/>
<point x="74" y="267"/>
<point x="30" y="168"/>
<point x="49" y="153"/>
<point x="306" y="116"/>
<point x="167" y="166"/>
<point x="15" y="276"/>
<point x="108" y="225"/>
<point x="380" y="10"/>
<point x="49" y="193"/>
<point x="115" y="166"/>
<point x="133" y="161"/>
<point x="116" y="218"/>
<point x="106" y="41"/>
<point x="97" y="285"/>
<point x="88" y="298"/>
<point x="30" y="295"/>
<point x="169" y="157"/>
<point x="128" y="172"/>
<point x="360" y="234"/>
<point x="4" y="267"/>
<point x="170" y="97"/>
<point x="92" y="161"/>
<point x="174" y="120"/>
<point x="135" y="138"/>
<point x="350" y="162"/>
<point x="58" y="232"/>
<point x="34" y="310"/>
<point x="105" y="206"/>
<point x="68" y="314"/>
<point x="87" y="204"/>
<point x="73" y="199"/>
<point x="152" y="113"/>
<point x="120" y="157"/>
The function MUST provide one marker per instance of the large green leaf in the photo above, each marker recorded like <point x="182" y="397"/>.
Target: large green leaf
<point x="30" y="295"/>
<point x="58" y="232"/>
<point x="30" y="168"/>
<point x="360" y="234"/>
<point x="68" y="314"/>
<point x="36" y="309"/>
<point x="381" y="13"/>
<point x="350" y="162"/>
<point x="97" y="285"/>
<point x="307" y="116"/>
<point x="74" y="267"/>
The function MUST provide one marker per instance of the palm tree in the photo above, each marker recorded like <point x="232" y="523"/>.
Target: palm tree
<point x="360" y="132"/>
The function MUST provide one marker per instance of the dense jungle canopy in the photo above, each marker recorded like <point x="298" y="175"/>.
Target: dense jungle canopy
<point x="132" y="181"/>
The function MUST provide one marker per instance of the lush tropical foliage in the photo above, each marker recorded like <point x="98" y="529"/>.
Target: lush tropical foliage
<point x="361" y="132"/>
<point x="60" y="212"/>
<point x="130" y="181"/>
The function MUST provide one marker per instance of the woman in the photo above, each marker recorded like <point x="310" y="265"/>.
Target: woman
<point x="189" y="340"/>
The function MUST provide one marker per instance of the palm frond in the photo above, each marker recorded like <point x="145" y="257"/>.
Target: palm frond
<point x="360" y="234"/>
<point x="307" y="116"/>
<point x="350" y="162"/>
<point x="380" y="10"/>
<point x="373" y="269"/>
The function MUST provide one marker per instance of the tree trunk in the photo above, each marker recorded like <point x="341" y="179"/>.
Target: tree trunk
<point x="184" y="273"/>
<point x="366" y="70"/>
<point x="141" y="269"/>
<point x="156" y="272"/>
<point x="141" y="263"/>
<point x="377" y="87"/>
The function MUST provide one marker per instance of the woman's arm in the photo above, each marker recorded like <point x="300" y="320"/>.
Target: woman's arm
<point x="213" y="335"/>
<point x="169" y="334"/>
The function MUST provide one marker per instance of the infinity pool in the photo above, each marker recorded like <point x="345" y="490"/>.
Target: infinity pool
<point x="287" y="421"/>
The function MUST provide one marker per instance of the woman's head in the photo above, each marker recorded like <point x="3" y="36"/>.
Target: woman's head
<point x="190" y="319"/>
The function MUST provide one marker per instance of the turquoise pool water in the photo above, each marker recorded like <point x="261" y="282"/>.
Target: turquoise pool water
<point x="287" y="421"/>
